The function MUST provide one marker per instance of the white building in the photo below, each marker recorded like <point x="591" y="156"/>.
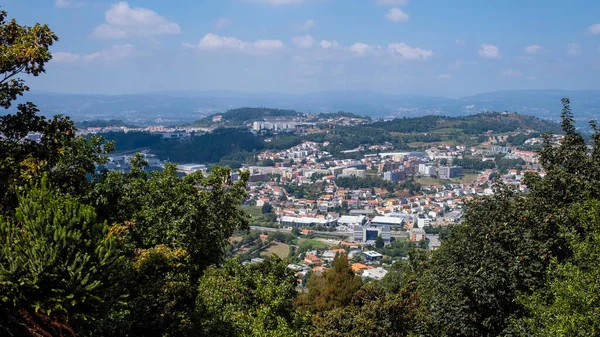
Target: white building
<point x="423" y="222"/>
<point x="375" y="273"/>
<point x="191" y="168"/>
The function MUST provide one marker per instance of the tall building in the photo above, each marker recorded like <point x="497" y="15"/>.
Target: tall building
<point x="394" y="176"/>
<point x="447" y="172"/>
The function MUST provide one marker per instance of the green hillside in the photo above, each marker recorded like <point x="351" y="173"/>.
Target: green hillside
<point x="497" y="122"/>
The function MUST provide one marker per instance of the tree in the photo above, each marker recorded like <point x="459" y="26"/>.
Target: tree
<point x="252" y="300"/>
<point x="266" y="208"/>
<point x="507" y="247"/>
<point x="443" y="162"/>
<point x="569" y="302"/>
<point x="296" y="231"/>
<point x="333" y="289"/>
<point x="179" y="228"/>
<point x="67" y="160"/>
<point x="372" y="313"/>
<point x="60" y="269"/>
<point x="379" y="243"/>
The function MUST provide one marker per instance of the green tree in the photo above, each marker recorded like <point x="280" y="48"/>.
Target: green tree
<point x="179" y="227"/>
<point x="252" y="300"/>
<point x="379" y="243"/>
<point x="502" y="250"/>
<point x="60" y="269"/>
<point x="372" y="313"/>
<point x="333" y="289"/>
<point x="68" y="160"/>
<point x="569" y="303"/>
<point x="266" y="208"/>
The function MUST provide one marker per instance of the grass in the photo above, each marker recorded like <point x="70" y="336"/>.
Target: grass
<point x="316" y="244"/>
<point x="280" y="249"/>
<point x="255" y="212"/>
<point x="466" y="178"/>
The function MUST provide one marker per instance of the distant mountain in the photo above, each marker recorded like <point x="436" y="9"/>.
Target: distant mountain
<point x="187" y="106"/>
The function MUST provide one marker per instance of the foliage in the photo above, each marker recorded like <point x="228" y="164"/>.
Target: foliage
<point x="252" y="300"/>
<point x="569" y="303"/>
<point x="266" y="208"/>
<point x="372" y="313"/>
<point x="25" y="50"/>
<point x="60" y="269"/>
<point x="379" y="243"/>
<point x="333" y="289"/>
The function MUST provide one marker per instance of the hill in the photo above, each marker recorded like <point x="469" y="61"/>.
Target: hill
<point x="498" y="122"/>
<point x="236" y="117"/>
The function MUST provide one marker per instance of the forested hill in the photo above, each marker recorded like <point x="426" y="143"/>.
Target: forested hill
<point x="498" y="122"/>
<point x="241" y="115"/>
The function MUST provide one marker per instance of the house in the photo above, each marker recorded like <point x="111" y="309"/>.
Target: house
<point x="375" y="273"/>
<point x="372" y="255"/>
<point x="358" y="267"/>
<point x="312" y="260"/>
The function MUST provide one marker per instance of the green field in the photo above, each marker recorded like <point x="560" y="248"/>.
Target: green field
<point x="315" y="244"/>
<point x="280" y="249"/>
<point x="255" y="212"/>
<point x="467" y="178"/>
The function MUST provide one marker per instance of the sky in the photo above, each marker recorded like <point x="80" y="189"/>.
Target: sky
<point x="407" y="47"/>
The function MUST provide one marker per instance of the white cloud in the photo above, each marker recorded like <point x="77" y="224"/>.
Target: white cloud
<point x="444" y="76"/>
<point x="490" y="51"/>
<point x="326" y="44"/>
<point x="306" y="25"/>
<point x="216" y="42"/>
<point x="574" y="49"/>
<point x="594" y="29"/>
<point x="533" y="49"/>
<point x="223" y="22"/>
<point x="305" y="41"/>
<point x="123" y="21"/>
<point x="512" y="73"/>
<point x="392" y="2"/>
<point x="396" y="15"/>
<point x="409" y="53"/>
<point x="278" y="2"/>
<point x="188" y="45"/>
<point x="68" y="3"/>
<point x="64" y="57"/>
<point x="116" y="52"/>
<point x="360" y="48"/>
<point x="459" y="42"/>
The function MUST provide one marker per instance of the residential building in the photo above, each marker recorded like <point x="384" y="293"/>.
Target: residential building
<point x="448" y="172"/>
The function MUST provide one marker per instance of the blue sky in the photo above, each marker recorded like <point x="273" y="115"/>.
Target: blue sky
<point x="425" y="47"/>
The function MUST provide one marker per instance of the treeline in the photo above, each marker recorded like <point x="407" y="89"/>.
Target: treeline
<point x="343" y="114"/>
<point x="354" y="183"/>
<point x="227" y="146"/>
<point x="470" y="125"/>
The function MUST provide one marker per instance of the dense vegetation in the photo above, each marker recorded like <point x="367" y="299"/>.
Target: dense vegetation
<point x="143" y="254"/>
<point x="497" y="122"/>
<point x="241" y="115"/>
<point x="376" y="181"/>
